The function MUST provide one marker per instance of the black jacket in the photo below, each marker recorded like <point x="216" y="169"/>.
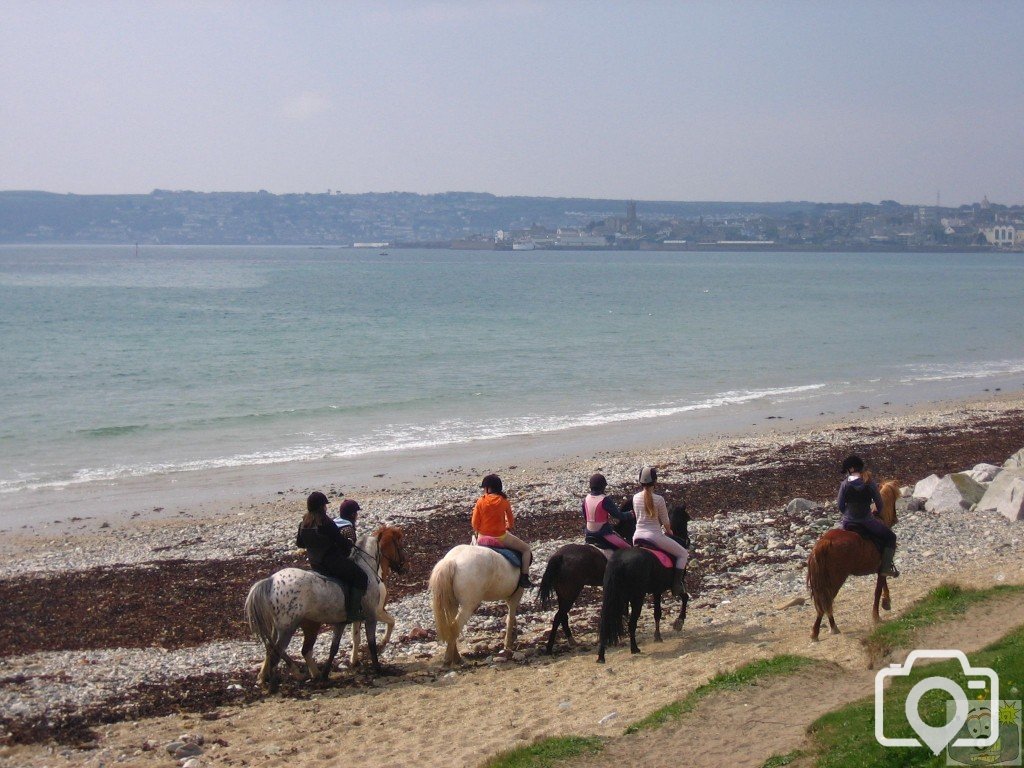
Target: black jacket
<point x="328" y="552"/>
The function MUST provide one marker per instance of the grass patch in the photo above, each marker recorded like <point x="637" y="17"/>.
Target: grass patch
<point x="846" y="738"/>
<point x="943" y="602"/>
<point x="745" y="675"/>
<point x="547" y="752"/>
<point x="780" y="760"/>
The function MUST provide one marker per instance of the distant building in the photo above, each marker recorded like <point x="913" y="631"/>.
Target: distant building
<point x="1001" y="235"/>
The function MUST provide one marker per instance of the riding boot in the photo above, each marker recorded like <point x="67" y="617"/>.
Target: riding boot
<point x="524" y="581"/>
<point x="678" y="582"/>
<point x="354" y="603"/>
<point x="888" y="568"/>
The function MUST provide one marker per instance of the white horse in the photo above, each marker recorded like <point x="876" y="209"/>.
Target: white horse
<point x="467" y="576"/>
<point x="278" y="605"/>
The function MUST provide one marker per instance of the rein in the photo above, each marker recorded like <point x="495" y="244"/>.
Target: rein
<point x="370" y="559"/>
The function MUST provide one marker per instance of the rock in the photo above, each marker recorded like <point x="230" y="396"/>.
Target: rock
<point x="188" y="749"/>
<point x="192" y="762"/>
<point x="1016" y="461"/>
<point x="1012" y="504"/>
<point x="999" y="489"/>
<point x="984" y="473"/>
<point x="924" y="488"/>
<point x="915" y="504"/>
<point x="954" y="492"/>
<point x="798" y="506"/>
<point x="906" y="491"/>
<point x="608" y="718"/>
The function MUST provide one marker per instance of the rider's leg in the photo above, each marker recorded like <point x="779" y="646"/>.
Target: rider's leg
<point x="678" y="551"/>
<point x="884" y="535"/>
<point x="520" y="546"/>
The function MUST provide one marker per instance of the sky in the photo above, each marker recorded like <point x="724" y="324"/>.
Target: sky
<point x="755" y="101"/>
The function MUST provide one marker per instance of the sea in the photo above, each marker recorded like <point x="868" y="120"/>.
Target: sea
<point x="162" y="361"/>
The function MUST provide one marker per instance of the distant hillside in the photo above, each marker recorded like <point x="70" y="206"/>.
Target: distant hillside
<point x="321" y="219"/>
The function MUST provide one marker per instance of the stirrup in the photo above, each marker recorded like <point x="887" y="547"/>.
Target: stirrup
<point x="524" y="581"/>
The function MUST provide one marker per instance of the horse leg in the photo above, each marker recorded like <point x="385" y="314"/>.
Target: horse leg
<point x="817" y="625"/>
<point x="371" y="642"/>
<point x="657" y="617"/>
<point x="310" y="630"/>
<point x="634" y="616"/>
<point x="510" y="620"/>
<point x="555" y="622"/>
<point x="353" y="657"/>
<point x="335" y="642"/>
<point x="389" y="625"/>
<point x="880" y="586"/>
<point x="677" y="625"/>
<point x="451" y="654"/>
<point x="266" y="675"/>
<point x="886" y="602"/>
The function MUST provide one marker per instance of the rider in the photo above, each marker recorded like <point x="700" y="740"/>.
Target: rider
<point x="652" y="525"/>
<point x="856" y="493"/>
<point x="492" y="517"/>
<point x="346" y="520"/>
<point x="328" y="553"/>
<point x="598" y="511"/>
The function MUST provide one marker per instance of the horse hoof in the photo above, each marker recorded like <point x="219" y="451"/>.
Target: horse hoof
<point x="814" y="638"/>
<point x="600" y="659"/>
<point x="835" y="631"/>
<point x="886" y="605"/>
<point x="677" y="626"/>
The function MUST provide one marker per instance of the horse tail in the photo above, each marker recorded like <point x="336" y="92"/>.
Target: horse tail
<point x="547" y="581"/>
<point x="260" y="615"/>
<point x="442" y="596"/>
<point x="613" y="602"/>
<point x="819" y="580"/>
<point x="889" y="492"/>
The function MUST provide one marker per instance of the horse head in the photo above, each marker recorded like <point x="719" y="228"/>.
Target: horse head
<point x="389" y="539"/>
<point x="679" y="519"/>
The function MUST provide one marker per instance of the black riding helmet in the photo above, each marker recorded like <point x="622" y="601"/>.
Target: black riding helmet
<point x="598" y="483"/>
<point x="316" y="502"/>
<point x="852" y="463"/>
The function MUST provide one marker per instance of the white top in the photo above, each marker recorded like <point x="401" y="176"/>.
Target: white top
<point x="645" y="524"/>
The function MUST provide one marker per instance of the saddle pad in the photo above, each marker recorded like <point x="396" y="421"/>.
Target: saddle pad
<point x="860" y="530"/>
<point x="663" y="558"/>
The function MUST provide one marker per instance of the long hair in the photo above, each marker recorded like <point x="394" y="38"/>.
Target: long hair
<point x="649" y="511"/>
<point x="316" y="510"/>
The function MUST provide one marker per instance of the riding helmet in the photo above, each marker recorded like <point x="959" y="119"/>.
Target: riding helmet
<point x="648" y="475"/>
<point x="598" y="483"/>
<point x="316" y="502"/>
<point x="348" y="508"/>
<point x="491" y="483"/>
<point x="853" y="463"/>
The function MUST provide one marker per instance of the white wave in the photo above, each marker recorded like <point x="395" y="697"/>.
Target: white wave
<point x="981" y="370"/>
<point x="406" y="437"/>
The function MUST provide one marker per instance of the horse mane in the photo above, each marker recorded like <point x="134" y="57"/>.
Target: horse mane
<point x="889" y="491"/>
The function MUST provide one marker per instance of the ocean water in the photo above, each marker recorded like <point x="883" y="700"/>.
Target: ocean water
<point x="116" y="365"/>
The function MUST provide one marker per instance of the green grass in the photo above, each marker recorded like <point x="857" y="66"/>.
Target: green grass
<point x="546" y="753"/>
<point x="780" y="760"/>
<point x="846" y="738"/>
<point x="942" y="603"/>
<point x="745" y="675"/>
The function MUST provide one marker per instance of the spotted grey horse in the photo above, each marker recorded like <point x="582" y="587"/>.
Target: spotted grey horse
<point x="277" y="605"/>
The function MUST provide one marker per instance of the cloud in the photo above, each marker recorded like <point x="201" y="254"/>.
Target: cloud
<point x="306" y="106"/>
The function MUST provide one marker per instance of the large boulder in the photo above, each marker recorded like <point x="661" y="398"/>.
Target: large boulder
<point x="1012" y="505"/>
<point x="984" y="473"/>
<point x="954" y="492"/>
<point x="925" y="488"/>
<point x="1016" y="461"/>
<point x="798" y="506"/>
<point x="999" y="490"/>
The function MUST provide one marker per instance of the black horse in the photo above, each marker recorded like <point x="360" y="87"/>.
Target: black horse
<point x="631" y="575"/>
<point x="569" y="570"/>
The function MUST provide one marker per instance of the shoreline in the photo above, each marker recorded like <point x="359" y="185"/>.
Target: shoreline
<point x="206" y="493"/>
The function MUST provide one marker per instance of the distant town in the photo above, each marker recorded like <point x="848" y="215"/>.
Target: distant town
<point x="483" y="221"/>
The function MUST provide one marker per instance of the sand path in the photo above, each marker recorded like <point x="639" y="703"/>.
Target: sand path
<point x="431" y="717"/>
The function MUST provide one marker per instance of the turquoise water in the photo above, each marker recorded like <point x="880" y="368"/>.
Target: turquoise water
<point x="116" y="364"/>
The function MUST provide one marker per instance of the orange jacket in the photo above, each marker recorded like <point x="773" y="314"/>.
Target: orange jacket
<point x="492" y="515"/>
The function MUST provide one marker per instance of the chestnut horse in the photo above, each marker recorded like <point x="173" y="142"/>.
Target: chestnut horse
<point x="839" y="554"/>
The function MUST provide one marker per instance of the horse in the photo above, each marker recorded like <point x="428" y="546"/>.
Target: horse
<point x="571" y="568"/>
<point x="839" y="554"/>
<point x="392" y="558"/>
<point x="276" y="606"/>
<point x="465" y="577"/>
<point x="630" y="576"/>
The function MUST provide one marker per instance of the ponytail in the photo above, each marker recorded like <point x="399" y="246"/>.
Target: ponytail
<point x="649" y="511"/>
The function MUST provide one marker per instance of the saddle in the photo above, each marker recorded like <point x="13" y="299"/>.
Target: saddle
<point x="597" y="540"/>
<point x="663" y="557"/>
<point x="862" y="531"/>
<point x="509" y="554"/>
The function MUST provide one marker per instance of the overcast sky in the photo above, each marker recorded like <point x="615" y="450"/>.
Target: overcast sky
<point x="828" y="101"/>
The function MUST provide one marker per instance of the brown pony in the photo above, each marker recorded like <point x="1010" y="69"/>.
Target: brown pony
<point x="839" y="554"/>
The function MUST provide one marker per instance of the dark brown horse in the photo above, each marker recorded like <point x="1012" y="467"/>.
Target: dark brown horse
<point x="839" y="554"/>
<point x="569" y="570"/>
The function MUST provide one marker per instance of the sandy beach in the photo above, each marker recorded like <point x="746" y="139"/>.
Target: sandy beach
<point x="125" y="631"/>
